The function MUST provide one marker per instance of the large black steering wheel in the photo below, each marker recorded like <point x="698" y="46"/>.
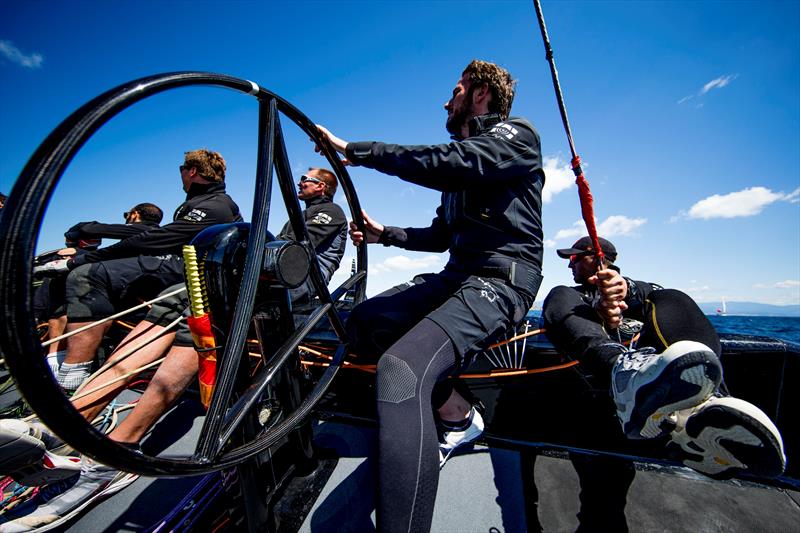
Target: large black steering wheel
<point x="19" y="230"/>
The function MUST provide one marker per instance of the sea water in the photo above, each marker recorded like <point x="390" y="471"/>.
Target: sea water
<point x="784" y="328"/>
<point x="777" y="327"/>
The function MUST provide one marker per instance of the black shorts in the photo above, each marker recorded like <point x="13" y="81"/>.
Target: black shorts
<point x="97" y="290"/>
<point x="166" y="311"/>
<point x="474" y="311"/>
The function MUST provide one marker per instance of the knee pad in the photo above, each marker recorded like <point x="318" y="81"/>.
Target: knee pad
<point x="396" y="382"/>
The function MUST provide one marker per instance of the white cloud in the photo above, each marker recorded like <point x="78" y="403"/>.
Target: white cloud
<point x="15" y="55"/>
<point x="695" y="289"/>
<point x="613" y="226"/>
<point x="718" y="83"/>
<point x="405" y="263"/>
<point x="744" y="203"/>
<point x="617" y="225"/>
<point x="786" y="284"/>
<point x="558" y="177"/>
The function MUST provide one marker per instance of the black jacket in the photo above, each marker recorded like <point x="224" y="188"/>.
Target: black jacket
<point x="327" y="228"/>
<point x="205" y="205"/>
<point x="491" y="185"/>
<point x="98" y="230"/>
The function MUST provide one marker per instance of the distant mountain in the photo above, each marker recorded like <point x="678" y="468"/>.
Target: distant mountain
<point x="735" y="308"/>
<point x="751" y="308"/>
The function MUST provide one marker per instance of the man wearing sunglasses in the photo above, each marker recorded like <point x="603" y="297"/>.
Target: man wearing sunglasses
<point x="670" y="382"/>
<point x="98" y="280"/>
<point x="326" y="223"/>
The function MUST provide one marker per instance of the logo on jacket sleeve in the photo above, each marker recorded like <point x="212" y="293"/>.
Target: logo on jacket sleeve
<point x="195" y="215"/>
<point x="501" y="129"/>
<point x="321" y="218"/>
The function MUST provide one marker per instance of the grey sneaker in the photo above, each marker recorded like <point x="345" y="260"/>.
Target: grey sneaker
<point x="723" y="436"/>
<point x="649" y="386"/>
<point x="95" y="482"/>
<point x="450" y="440"/>
<point x="26" y="454"/>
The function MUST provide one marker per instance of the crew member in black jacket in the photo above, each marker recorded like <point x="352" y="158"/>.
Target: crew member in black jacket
<point x="97" y="279"/>
<point x="141" y="217"/>
<point x="49" y="302"/>
<point x="489" y="219"/>
<point x="668" y="387"/>
<point x="326" y="224"/>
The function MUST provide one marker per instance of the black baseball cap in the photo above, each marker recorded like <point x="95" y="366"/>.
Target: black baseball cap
<point x="584" y="243"/>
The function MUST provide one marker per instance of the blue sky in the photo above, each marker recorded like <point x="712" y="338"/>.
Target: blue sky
<point x="686" y="114"/>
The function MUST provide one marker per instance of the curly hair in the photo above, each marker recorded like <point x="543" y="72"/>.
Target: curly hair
<point x="499" y="81"/>
<point x="210" y="165"/>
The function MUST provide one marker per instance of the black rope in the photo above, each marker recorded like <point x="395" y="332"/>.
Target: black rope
<point x="556" y="85"/>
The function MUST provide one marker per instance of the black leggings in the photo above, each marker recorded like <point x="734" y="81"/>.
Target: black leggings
<point x="408" y="458"/>
<point x="424" y="330"/>
<point x="575" y="329"/>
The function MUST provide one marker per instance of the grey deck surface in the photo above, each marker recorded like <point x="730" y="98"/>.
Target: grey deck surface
<point x="482" y="492"/>
<point x="147" y="500"/>
<point x="478" y="492"/>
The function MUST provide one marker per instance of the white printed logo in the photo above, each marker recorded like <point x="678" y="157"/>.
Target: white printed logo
<point x="505" y="130"/>
<point x="321" y="218"/>
<point x="195" y="215"/>
<point x="488" y="291"/>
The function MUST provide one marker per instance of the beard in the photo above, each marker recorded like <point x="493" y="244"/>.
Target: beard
<point x="460" y="116"/>
<point x="457" y="120"/>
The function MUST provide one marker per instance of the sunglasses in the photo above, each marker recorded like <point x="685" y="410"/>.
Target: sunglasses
<point x="184" y="167"/>
<point x="126" y="214"/>
<point x="581" y="255"/>
<point x="305" y="179"/>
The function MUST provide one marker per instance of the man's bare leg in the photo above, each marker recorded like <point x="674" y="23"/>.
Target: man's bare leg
<point x="455" y="409"/>
<point x="81" y="348"/>
<point x="55" y="328"/>
<point x="92" y="404"/>
<point x="172" y="378"/>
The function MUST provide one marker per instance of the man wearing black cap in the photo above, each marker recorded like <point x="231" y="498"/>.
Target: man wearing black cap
<point x="670" y="383"/>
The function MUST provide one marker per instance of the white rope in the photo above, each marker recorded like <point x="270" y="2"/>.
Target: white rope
<point x="116" y="360"/>
<point x="116" y="380"/>
<point x="112" y="317"/>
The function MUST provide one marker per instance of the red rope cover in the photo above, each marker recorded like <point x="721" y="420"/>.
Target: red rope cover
<point x="587" y="208"/>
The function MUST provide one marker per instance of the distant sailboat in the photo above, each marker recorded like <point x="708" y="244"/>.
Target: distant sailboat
<point x="723" y="310"/>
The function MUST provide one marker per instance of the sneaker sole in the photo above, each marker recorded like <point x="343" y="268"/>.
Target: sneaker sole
<point x="688" y="380"/>
<point x="729" y="436"/>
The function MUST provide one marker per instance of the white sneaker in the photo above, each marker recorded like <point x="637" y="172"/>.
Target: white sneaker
<point x="451" y="440"/>
<point x="648" y="387"/>
<point x="723" y="436"/>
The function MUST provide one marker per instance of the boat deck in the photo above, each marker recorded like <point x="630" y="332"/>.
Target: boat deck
<point x="479" y="491"/>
